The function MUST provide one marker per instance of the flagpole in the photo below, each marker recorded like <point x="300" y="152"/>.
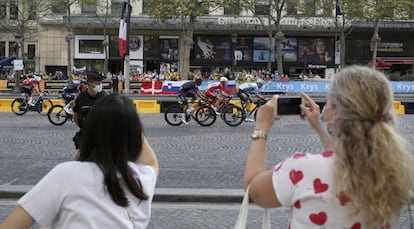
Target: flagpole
<point x="126" y="57"/>
<point x="336" y="33"/>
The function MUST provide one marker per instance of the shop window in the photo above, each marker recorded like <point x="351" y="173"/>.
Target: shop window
<point x="14" y="10"/>
<point x="89" y="8"/>
<point x="151" y="47"/>
<point x="91" y="46"/>
<point x="2" y="49"/>
<point x="31" y="52"/>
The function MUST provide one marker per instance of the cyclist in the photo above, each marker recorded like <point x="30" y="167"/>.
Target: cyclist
<point x="245" y="89"/>
<point x="68" y="94"/>
<point x="31" y="86"/>
<point x="189" y="89"/>
<point x="85" y="101"/>
<point x="220" y="87"/>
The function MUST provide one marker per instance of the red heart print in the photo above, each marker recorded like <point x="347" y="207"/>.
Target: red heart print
<point x="297" y="204"/>
<point x="318" y="219"/>
<point x="343" y="198"/>
<point x="319" y="187"/>
<point x="356" y="226"/>
<point x="327" y="153"/>
<point x="299" y="155"/>
<point x="295" y="176"/>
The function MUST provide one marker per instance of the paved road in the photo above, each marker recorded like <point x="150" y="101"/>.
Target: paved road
<point x="190" y="157"/>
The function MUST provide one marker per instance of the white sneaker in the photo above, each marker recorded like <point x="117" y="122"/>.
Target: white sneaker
<point x="249" y="120"/>
<point x="68" y="109"/>
<point x="31" y="103"/>
<point x="183" y="120"/>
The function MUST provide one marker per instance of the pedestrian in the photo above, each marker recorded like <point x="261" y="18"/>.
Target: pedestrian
<point x="364" y="177"/>
<point x="110" y="185"/>
<point x="114" y="83"/>
<point x="85" y="101"/>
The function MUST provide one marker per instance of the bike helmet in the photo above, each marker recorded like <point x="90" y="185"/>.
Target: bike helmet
<point x="260" y="81"/>
<point x="37" y="78"/>
<point x="224" y="79"/>
<point x="199" y="80"/>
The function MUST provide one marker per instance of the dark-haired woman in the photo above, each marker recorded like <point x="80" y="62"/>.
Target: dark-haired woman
<point x="112" y="183"/>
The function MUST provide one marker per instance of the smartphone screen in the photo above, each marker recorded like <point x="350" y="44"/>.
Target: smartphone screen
<point x="288" y="106"/>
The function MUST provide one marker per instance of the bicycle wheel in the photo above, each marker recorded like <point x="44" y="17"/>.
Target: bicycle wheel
<point x="57" y="115"/>
<point x="19" y="106"/>
<point x="173" y="115"/>
<point x="43" y="106"/>
<point x="205" y="116"/>
<point x="232" y="115"/>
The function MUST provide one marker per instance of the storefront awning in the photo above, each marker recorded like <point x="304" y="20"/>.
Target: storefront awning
<point x="7" y="63"/>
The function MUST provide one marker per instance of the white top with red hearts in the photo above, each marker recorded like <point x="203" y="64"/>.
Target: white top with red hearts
<point x="304" y="183"/>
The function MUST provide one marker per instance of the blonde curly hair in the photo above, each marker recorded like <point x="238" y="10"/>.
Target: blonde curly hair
<point x="374" y="166"/>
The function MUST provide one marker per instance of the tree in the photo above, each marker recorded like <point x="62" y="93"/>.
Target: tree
<point x="103" y="18"/>
<point x="377" y="12"/>
<point x="270" y="14"/>
<point x="21" y="21"/>
<point x="185" y="12"/>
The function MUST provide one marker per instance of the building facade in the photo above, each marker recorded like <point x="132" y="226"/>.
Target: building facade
<point x="221" y="41"/>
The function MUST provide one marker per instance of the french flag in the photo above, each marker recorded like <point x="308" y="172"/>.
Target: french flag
<point x="123" y="27"/>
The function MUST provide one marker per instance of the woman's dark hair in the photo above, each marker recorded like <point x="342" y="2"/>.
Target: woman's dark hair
<point x="111" y="137"/>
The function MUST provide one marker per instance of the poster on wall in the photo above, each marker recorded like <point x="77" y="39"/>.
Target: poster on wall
<point x="289" y="49"/>
<point x="136" y="50"/>
<point x="244" y="47"/>
<point x="316" y="50"/>
<point x="261" y="50"/>
<point x="215" y="49"/>
<point x="169" y="48"/>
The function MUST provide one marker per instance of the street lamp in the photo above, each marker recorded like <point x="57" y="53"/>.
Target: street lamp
<point x="18" y="39"/>
<point x="234" y="42"/>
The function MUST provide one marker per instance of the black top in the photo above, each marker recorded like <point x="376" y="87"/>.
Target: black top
<point x="83" y="104"/>
<point x="190" y="86"/>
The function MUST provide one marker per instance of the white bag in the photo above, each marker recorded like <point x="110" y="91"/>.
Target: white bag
<point x="242" y="219"/>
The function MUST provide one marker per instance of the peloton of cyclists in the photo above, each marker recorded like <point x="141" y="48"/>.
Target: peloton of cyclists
<point x="220" y="87"/>
<point x="189" y="89"/>
<point x="245" y="89"/>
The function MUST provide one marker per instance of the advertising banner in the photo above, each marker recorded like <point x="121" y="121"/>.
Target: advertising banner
<point x="213" y="49"/>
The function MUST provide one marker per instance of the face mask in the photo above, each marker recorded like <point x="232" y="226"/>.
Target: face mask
<point x="97" y="88"/>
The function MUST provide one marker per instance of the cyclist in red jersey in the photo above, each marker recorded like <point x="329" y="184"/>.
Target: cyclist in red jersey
<point x="220" y="88"/>
<point x="32" y="86"/>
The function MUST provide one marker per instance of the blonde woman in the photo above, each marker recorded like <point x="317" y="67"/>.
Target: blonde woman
<point x="364" y="177"/>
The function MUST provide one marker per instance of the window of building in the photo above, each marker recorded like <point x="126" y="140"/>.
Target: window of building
<point x="291" y="9"/>
<point x="31" y="52"/>
<point x="145" y="7"/>
<point x="3" y="8"/>
<point x="32" y="10"/>
<point x="2" y="49"/>
<point x="91" y="46"/>
<point x="116" y="7"/>
<point x="57" y="8"/>
<point x="235" y="9"/>
<point x="14" y="10"/>
<point x="89" y="8"/>
<point x="260" y="9"/>
<point x="12" y="48"/>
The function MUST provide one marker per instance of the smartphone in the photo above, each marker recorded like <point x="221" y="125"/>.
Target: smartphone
<point x="289" y="105"/>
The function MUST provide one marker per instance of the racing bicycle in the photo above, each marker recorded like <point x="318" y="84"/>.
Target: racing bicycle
<point x="20" y="106"/>
<point x="201" y="113"/>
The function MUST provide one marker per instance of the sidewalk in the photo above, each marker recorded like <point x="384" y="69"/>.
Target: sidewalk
<point x="161" y="194"/>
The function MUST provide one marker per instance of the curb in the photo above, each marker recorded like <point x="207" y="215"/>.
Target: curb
<point x="161" y="194"/>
